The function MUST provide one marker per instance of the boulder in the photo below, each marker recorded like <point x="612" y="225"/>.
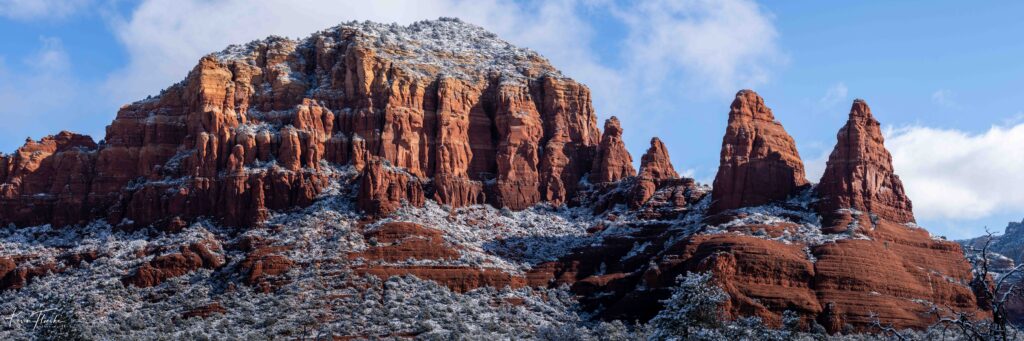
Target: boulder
<point x="206" y="253"/>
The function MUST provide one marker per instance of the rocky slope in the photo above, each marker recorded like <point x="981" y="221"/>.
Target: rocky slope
<point x="1004" y="252"/>
<point x="1009" y="244"/>
<point x="838" y="254"/>
<point x="309" y="174"/>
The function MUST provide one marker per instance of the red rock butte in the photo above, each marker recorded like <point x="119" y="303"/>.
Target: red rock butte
<point x="859" y="174"/>
<point x="253" y="128"/>
<point x="759" y="161"/>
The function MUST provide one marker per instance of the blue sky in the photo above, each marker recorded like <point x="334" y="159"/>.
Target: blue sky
<point x="944" y="78"/>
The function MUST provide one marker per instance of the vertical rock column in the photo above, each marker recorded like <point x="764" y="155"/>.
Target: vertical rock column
<point x="655" y="167"/>
<point x="613" y="161"/>
<point x="759" y="161"/>
<point x="859" y="175"/>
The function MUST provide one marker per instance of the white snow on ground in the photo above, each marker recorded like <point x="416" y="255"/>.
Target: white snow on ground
<point x="322" y="296"/>
<point x="427" y="48"/>
<point x="504" y="238"/>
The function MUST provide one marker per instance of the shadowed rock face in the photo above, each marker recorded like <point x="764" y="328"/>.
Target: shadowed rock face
<point x="859" y="174"/>
<point x="759" y="160"/>
<point x="47" y="180"/>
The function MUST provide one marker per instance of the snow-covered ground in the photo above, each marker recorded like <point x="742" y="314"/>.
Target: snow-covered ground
<point x="324" y="297"/>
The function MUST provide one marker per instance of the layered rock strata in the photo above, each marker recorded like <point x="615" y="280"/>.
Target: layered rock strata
<point x="759" y="161"/>
<point x="397" y="244"/>
<point x="859" y="175"/>
<point x="262" y="126"/>
<point x="613" y="162"/>
<point x="859" y="259"/>
<point x="445" y="111"/>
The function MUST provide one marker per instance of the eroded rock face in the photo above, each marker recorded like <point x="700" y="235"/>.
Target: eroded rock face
<point x="265" y="126"/>
<point x="265" y="266"/>
<point x="655" y="163"/>
<point x="17" y="271"/>
<point x="613" y="161"/>
<point x="384" y="188"/>
<point x="859" y="174"/>
<point x="759" y="160"/>
<point x="795" y="261"/>
<point x="47" y="180"/>
<point x="655" y="168"/>
<point x="395" y="245"/>
<point x="400" y="241"/>
<point x="256" y="128"/>
<point x="896" y="273"/>
<point x="898" y="264"/>
<point x="202" y="254"/>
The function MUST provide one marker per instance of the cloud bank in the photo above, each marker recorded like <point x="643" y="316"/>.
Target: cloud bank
<point x="722" y="45"/>
<point x="950" y="174"/>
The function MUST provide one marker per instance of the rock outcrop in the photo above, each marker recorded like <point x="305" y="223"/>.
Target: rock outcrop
<point x="759" y="160"/>
<point x="398" y="249"/>
<point x="264" y="267"/>
<point x="445" y="111"/>
<point x="655" y="168"/>
<point x="165" y="265"/>
<point x="17" y="271"/>
<point x="260" y="127"/>
<point x="859" y="176"/>
<point x="613" y="162"/>
<point x="782" y="256"/>
<point x="47" y="181"/>
<point x="655" y="163"/>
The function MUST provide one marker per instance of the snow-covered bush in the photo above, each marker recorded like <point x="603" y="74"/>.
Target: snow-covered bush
<point x="695" y="306"/>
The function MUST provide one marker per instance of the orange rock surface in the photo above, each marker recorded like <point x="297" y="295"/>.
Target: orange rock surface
<point x="859" y="174"/>
<point x="613" y="162"/>
<point x="759" y="161"/>
<point x="249" y="130"/>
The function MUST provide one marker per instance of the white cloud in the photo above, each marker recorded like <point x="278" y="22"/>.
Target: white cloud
<point x="950" y="174"/>
<point x="36" y="9"/>
<point x="51" y="59"/>
<point x="944" y="98"/>
<point x="721" y="45"/>
<point x="835" y="95"/>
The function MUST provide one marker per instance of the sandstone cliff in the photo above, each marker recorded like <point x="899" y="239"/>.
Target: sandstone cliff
<point x="759" y="160"/>
<point x="859" y="174"/>
<point x="259" y="127"/>
<point x="839" y="255"/>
